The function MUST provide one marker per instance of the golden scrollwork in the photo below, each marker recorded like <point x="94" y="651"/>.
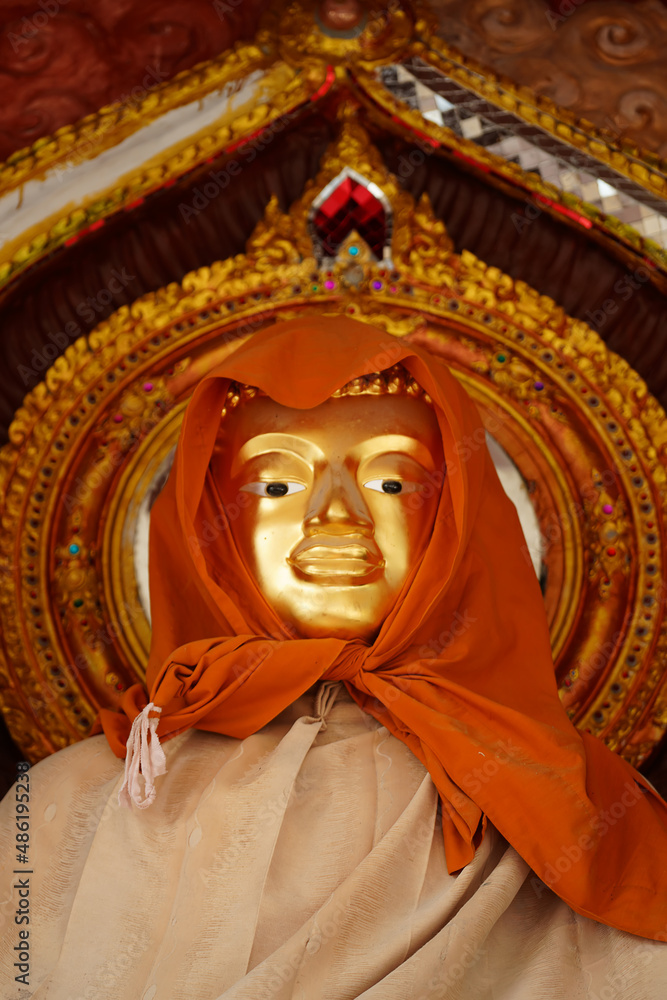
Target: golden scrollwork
<point x="72" y="483"/>
<point x="608" y="539"/>
<point x="383" y="34"/>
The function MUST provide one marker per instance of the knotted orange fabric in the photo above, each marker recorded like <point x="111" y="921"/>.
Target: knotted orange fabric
<point x="477" y="705"/>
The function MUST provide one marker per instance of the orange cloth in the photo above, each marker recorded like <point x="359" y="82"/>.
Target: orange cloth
<point x="461" y="670"/>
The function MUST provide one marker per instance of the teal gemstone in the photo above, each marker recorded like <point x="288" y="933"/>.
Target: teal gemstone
<point x="74" y="548"/>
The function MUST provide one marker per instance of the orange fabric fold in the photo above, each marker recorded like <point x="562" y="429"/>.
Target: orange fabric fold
<point x="461" y="670"/>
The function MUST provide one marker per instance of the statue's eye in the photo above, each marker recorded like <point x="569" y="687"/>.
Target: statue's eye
<point x="273" y="489"/>
<point x="385" y="485"/>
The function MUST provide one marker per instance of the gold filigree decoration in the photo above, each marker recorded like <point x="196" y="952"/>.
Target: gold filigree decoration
<point x="608" y="531"/>
<point x="384" y="34"/>
<point x="140" y="408"/>
<point x="511" y="374"/>
<point x="52" y="506"/>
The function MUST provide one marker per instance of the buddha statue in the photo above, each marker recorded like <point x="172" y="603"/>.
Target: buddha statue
<point x="349" y="774"/>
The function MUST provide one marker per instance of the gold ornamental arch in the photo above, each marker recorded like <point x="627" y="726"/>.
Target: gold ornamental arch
<point x="91" y="445"/>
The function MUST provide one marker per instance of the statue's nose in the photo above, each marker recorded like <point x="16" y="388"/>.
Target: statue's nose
<point x="338" y="507"/>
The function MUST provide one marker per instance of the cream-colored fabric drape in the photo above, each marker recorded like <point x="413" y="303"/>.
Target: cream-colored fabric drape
<point x="305" y="862"/>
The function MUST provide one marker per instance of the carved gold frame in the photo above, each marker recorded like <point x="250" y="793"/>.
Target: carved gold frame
<point x="579" y="423"/>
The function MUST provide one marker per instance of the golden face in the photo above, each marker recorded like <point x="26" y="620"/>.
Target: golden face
<point x="333" y="505"/>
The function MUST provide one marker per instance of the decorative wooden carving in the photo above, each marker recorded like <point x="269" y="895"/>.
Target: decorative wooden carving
<point x="602" y="61"/>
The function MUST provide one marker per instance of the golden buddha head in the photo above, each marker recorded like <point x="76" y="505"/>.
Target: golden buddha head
<point x="333" y="505"/>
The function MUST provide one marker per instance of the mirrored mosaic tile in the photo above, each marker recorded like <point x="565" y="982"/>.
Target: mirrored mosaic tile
<point x="447" y="103"/>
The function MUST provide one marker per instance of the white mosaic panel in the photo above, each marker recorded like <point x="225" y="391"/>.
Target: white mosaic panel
<point x="614" y="195"/>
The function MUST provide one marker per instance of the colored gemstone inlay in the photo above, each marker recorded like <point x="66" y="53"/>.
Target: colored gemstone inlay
<point x="351" y="206"/>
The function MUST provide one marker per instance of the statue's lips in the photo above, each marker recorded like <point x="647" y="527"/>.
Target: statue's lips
<point x="336" y="560"/>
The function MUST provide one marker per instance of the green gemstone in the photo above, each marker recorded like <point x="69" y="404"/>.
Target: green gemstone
<point x="77" y="603"/>
<point x="501" y="358"/>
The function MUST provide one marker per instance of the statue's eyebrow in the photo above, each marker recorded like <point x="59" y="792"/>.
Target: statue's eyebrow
<point x="276" y="441"/>
<point x="400" y="445"/>
<point x="305" y="449"/>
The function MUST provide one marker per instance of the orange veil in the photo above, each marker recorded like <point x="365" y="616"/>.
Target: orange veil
<point x="461" y="670"/>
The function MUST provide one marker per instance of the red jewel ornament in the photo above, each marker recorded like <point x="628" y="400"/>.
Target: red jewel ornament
<point x="351" y="206"/>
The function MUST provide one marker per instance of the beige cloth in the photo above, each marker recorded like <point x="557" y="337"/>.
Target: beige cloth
<point x="304" y="862"/>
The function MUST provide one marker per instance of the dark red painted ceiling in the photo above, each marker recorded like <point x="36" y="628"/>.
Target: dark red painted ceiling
<point x="63" y="59"/>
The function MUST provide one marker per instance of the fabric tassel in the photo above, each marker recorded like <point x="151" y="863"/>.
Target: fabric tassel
<point x="144" y="756"/>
